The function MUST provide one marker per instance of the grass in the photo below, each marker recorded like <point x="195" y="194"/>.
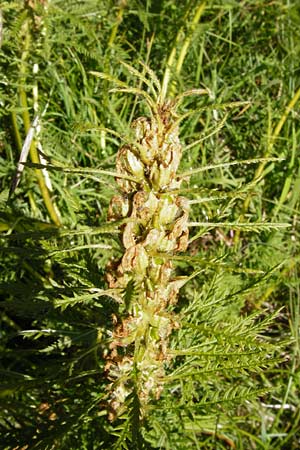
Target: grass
<point x="234" y="380"/>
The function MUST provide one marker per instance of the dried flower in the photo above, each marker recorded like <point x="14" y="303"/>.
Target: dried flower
<point x="156" y="225"/>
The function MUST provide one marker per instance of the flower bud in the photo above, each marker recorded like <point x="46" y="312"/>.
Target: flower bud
<point x="167" y="211"/>
<point x="135" y="165"/>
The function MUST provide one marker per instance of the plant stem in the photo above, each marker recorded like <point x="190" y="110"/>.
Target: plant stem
<point x="51" y="208"/>
<point x="171" y="60"/>
<point x="270" y="146"/>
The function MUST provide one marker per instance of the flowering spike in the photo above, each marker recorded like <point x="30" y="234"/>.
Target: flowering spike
<point x="157" y="223"/>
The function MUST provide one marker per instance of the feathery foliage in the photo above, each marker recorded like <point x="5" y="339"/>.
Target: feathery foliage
<point x="88" y="91"/>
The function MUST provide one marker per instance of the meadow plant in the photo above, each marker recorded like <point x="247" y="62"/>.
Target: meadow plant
<point x="139" y="313"/>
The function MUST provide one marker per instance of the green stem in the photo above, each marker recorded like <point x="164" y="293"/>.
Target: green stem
<point x="117" y="23"/>
<point x="186" y="45"/>
<point x="182" y="54"/>
<point x="27" y="124"/>
<point x="271" y="142"/>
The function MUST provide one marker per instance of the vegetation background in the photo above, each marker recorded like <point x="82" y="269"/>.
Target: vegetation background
<point x="235" y="378"/>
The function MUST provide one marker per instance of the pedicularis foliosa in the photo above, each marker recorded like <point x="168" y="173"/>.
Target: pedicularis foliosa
<point x="156" y="226"/>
